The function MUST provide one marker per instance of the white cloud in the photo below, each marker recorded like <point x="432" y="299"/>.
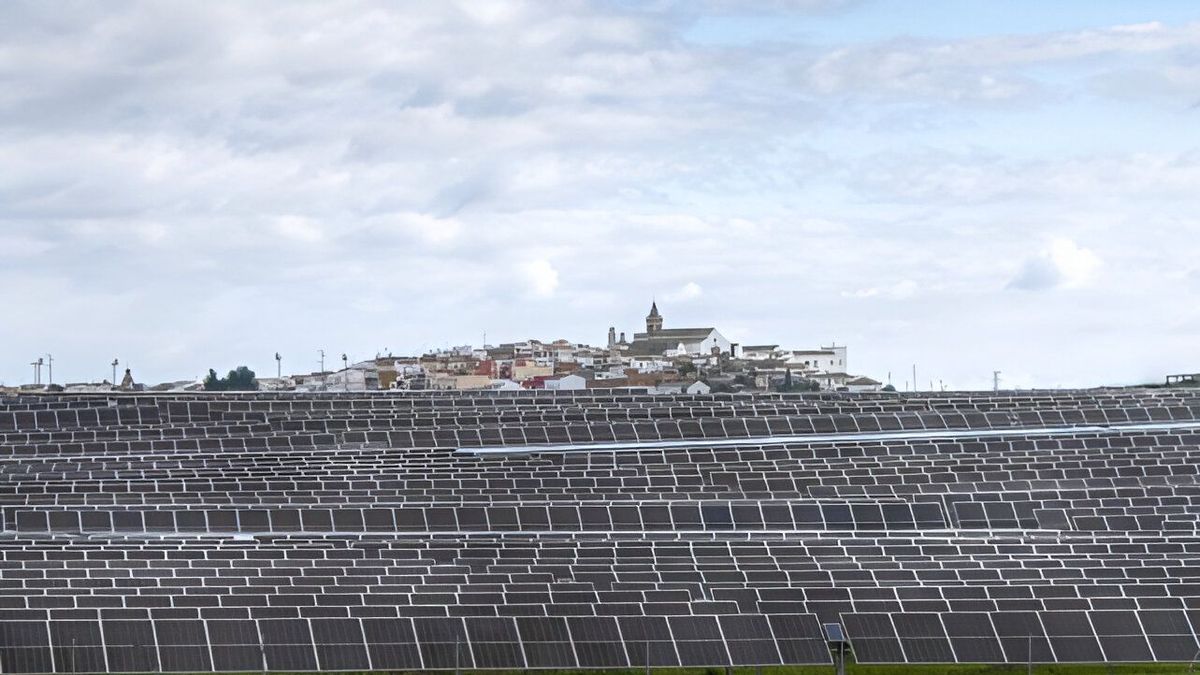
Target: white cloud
<point x="900" y="290"/>
<point x="540" y="277"/>
<point x="1062" y="264"/>
<point x="582" y="154"/>
<point x="984" y="69"/>
<point x="689" y="291"/>
<point x="299" y="229"/>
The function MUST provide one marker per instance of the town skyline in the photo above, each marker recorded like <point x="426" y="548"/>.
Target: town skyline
<point x="639" y="342"/>
<point x="660" y="356"/>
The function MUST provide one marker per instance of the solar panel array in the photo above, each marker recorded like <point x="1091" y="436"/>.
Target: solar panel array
<point x="404" y="531"/>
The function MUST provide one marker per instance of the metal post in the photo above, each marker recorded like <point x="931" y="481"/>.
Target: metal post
<point x="457" y="643"/>
<point x="322" y="353"/>
<point x="50" y="367"/>
<point x="115" y="363"/>
<point x="1029" y="666"/>
<point x="647" y="657"/>
<point x="841" y="661"/>
<point x="278" y="366"/>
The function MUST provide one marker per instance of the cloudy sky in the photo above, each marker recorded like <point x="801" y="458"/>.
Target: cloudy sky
<point x="965" y="185"/>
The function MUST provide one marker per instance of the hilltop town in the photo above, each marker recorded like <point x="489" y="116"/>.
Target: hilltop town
<point x="660" y="359"/>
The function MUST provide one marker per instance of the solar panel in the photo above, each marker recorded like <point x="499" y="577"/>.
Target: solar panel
<point x="26" y="647"/>
<point x="973" y="638"/>
<point x="392" y="644"/>
<point x="345" y="533"/>
<point x="923" y="638"/>
<point x="546" y="642"/>
<point x="340" y="644"/>
<point x="874" y="638"/>
<point x="182" y="646"/>
<point x="598" y="642"/>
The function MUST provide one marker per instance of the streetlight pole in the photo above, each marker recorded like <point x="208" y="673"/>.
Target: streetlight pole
<point x="346" y="371"/>
<point x="322" y="353"/>
<point x="114" y="364"/>
<point x="278" y="366"/>
<point x="50" y="368"/>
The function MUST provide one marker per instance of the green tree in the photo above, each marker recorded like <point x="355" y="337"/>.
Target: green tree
<point x="241" y="379"/>
<point x="888" y="387"/>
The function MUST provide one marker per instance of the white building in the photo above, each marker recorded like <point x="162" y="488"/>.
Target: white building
<point x="570" y="382"/>
<point x="758" y="352"/>
<point x="830" y="359"/>
<point x="863" y="384"/>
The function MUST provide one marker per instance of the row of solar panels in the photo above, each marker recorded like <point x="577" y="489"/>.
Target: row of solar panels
<point x="480" y="434"/>
<point x="641" y="516"/>
<point x="334" y="400"/>
<point x="339" y="644"/>
<point x="297" y="645"/>
<point x="697" y="580"/>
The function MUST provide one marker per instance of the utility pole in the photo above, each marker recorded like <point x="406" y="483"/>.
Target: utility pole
<point x="995" y="381"/>
<point x="914" y="377"/>
<point x="278" y="366"/>
<point x="50" y="368"/>
<point x="322" y="353"/>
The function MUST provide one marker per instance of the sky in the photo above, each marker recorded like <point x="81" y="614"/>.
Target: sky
<point x="960" y="185"/>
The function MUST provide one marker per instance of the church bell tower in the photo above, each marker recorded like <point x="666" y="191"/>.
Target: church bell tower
<point x="654" y="322"/>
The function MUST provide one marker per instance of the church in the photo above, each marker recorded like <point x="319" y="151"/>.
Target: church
<point x="659" y="341"/>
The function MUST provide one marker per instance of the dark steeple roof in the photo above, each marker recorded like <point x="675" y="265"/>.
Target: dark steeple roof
<point x="653" y="308"/>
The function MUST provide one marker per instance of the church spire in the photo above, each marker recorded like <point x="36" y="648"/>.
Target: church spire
<point x="654" y="321"/>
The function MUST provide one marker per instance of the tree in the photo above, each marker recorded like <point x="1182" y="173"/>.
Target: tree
<point x="242" y="379"/>
<point x="888" y="387"/>
<point x="798" y="383"/>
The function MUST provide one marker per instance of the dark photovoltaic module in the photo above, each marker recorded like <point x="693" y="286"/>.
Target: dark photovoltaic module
<point x="595" y="529"/>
